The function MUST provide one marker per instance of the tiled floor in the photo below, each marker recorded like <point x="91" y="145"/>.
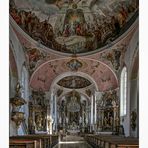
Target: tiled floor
<point x="73" y="142"/>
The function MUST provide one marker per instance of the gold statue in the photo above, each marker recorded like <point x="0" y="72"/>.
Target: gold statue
<point x="17" y="88"/>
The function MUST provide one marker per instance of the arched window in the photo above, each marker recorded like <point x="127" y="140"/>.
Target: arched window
<point x="123" y="92"/>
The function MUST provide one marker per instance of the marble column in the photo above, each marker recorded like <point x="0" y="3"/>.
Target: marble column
<point x="55" y="107"/>
<point x="92" y="113"/>
<point x="48" y="111"/>
<point x="95" y="109"/>
<point x="51" y="113"/>
<point x="98" y="110"/>
<point x="47" y="121"/>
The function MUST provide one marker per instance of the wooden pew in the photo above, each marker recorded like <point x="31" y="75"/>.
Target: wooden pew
<point x="112" y="141"/>
<point x="24" y="140"/>
<point x="122" y="143"/>
<point x="23" y="144"/>
<point x="97" y="140"/>
<point x="44" y="140"/>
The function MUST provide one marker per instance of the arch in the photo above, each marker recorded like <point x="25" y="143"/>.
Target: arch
<point x="40" y="70"/>
<point x="13" y="71"/>
<point x="65" y="58"/>
<point x="17" y="50"/>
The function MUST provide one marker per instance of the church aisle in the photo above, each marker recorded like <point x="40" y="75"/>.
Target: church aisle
<point x="73" y="142"/>
<point x="73" y="145"/>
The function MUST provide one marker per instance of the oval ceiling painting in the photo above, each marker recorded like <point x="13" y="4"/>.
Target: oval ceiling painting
<point x="74" y="82"/>
<point x="74" y="26"/>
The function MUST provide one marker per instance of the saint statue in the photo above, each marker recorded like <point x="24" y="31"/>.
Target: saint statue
<point x="39" y="120"/>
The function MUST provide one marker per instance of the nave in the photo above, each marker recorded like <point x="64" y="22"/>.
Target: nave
<point x="74" y="74"/>
<point x="73" y="141"/>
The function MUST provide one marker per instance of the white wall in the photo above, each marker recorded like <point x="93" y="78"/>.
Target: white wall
<point x="134" y="103"/>
<point x="19" y="56"/>
<point x="130" y="95"/>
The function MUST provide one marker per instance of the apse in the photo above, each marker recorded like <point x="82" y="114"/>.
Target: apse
<point x="74" y="112"/>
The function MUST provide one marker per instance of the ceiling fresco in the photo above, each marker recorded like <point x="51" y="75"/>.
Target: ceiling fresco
<point x="74" y="82"/>
<point x="36" y="55"/>
<point x="114" y="58"/>
<point x="74" y="26"/>
<point x="44" y="75"/>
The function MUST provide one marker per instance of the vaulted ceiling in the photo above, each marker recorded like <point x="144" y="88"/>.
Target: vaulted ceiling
<point x="83" y="36"/>
<point x="47" y="72"/>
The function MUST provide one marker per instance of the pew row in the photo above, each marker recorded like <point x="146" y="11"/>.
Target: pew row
<point x="40" y="140"/>
<point x="23" y="144"/>
<point x="112" y="141"/>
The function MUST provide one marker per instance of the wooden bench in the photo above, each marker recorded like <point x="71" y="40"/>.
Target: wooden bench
<point x="122" y="143"/>
<point x="23" y="144"/>
<point x="43" y="140"/>
<point x="112" y="141"/>
<point x="97" y="140"/>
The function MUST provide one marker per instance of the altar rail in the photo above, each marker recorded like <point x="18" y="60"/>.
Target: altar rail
<point x="33" y="141"/>
<point x="112" y="141"/>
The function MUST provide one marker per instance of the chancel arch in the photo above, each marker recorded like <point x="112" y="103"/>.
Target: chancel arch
<point x="77" y="98"/>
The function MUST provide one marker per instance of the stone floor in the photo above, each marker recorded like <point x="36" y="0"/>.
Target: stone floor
<point x="73" y="142"/>
<point x="73" y="145"/>
<point x="73" y="138"/>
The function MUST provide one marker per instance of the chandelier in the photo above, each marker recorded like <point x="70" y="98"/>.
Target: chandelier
<point x="73" y="105"/>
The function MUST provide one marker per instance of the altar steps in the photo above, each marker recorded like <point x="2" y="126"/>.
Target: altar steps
<point x="72" y="138"/>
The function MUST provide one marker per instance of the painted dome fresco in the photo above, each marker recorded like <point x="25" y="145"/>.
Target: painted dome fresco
<point x="74" y="26"/>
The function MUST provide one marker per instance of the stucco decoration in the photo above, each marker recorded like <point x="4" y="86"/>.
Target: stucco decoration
<point x="115" y="56"/>
<point x="74" y="82"/>
<point x="74" y="64"/>
<point x="74" y="26"/>
<point x="34" y="57"/>
<point x="47" y="72"/>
